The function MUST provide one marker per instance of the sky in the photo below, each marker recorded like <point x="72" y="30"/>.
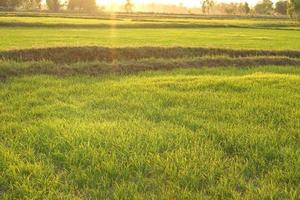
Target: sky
<point x="187" y="3"/>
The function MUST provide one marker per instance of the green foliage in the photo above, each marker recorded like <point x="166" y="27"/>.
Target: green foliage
<point x="247" y="8"/>
<point x="32" y="4"/>
<point x="297" y="5"/>
<point x="207" y="5"/>
<point x="53" y="5"/>
<point x="186" y="134"/>
<point x="27" y="4"/>
<point x="264" y="8"/>
<point x="10" y="4"/>
<point x="281" y="7"/>
<point x="294" y="9"/>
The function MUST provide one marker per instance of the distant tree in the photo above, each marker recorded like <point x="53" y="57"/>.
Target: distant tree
<point x="231" y="8"/>
<point x="128" y="6"/>
<point x="240" y="8"/>
<point x="207" y="5"/>
<point x="10" y="4"/>
<point x="203" y="6"/>
<point x="53" y="5"/>
<point x="247" y="8"/>
<point x="291" y="9"/>
<point x="82" y="5"/>
<point x="297" y="9"/>
<point x="281" y="7"/>
<point x="265" y="7"/>
<point x="32" y="4"/>
<point x="38" y="3"/>
<point x="3" y="3"/>
<point x="294" y="9"/>
<point x="89" y="5"/>
<point x="72" y="4"/>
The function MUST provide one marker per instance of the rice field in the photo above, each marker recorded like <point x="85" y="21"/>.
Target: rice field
<point x="126" y="111"/>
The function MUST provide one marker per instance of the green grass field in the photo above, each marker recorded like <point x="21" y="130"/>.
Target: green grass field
<point x="238" y="38"/>
<point x="32" y="32"/>
<point x="118" y="20"/>
<point x="208" y="133"/>
<point x="149" y="123"/>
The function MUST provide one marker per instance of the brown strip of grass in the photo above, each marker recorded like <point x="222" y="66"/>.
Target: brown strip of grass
<point x="146" y="24"/>
<point x="94" y="53"/>
<point x="12" y="69"/>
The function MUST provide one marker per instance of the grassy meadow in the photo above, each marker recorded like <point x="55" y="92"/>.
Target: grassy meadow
<point x="237" y="38"/>
<point x="149" y="107"/>
<point x="117" y="31"/>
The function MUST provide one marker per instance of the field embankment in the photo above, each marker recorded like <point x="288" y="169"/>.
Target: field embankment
<point x="90" y="53"/>
<point x="66" y="61"/>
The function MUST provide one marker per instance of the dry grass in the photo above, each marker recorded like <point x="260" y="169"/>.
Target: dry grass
<point x="94" y="53"/>
<point x="66" y="61"/>
<point x="12" y="68"/>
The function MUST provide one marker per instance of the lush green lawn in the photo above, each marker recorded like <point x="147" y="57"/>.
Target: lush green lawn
<point x="239" y="38"/>
<point x="185" y="134"/>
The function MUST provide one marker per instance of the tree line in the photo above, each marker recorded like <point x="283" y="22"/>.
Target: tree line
<point x="264" y="7"/>
<point x="52" y="5"/>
